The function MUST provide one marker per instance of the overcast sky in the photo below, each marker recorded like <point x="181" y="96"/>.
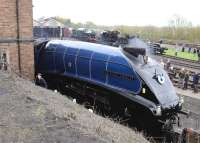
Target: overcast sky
<point x="119" y="12"/>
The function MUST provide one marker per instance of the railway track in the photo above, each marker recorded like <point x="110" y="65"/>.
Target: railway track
<point x="194" y="65"/>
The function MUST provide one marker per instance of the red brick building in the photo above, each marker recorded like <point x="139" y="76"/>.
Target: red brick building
<point x="16" y="38"/>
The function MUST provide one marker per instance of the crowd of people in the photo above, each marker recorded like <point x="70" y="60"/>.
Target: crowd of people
<point x="183" y="75"/>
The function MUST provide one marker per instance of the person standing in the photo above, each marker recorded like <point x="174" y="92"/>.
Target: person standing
<point x="171" y="72"/>
<point x="189" y="50"/>
<point x="181" y="78"/>
<point x="186" y="79"/>
<point x="195" y="82"/>
<point x="176" y="52"/>
<point x="183" y="49"/>
<point x="168" y="65"/>
<point x="162" y="63"/>
<point x="198" y="52"/>
<point x="194" y="51"/>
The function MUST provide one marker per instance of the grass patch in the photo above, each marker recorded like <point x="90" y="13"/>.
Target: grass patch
<point x="184" y="55"/>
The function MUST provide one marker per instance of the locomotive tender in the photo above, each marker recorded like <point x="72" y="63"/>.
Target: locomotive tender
<point x="125" y="79"/>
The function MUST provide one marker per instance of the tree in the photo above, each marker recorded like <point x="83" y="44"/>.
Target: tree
<point x="179" y="27"/>
<point x="179" y="21"/>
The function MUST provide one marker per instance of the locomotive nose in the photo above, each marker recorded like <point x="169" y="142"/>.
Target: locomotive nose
<point x="157" y="80"/>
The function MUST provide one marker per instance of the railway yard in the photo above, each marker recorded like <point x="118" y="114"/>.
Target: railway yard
<point x="190" y="121"/>
<point x="99" y="72"/>
<point x="48" y="117"/>
<point x="50" y="121"/>
<point x="95" y="132"/>
<point x="66" y="121"/>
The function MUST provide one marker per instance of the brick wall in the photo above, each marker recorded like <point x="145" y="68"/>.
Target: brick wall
<point x="8" y="35"/>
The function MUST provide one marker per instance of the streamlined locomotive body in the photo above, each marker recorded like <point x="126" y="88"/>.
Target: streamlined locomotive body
<point x="123" y="78"/>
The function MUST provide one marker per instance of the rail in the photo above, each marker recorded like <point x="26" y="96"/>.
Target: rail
<point x="182" y="62"/>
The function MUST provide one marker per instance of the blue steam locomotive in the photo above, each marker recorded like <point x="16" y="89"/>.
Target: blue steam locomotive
<point x="125" y="79"/>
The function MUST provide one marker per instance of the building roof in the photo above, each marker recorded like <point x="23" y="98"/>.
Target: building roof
<point x="36" y="23"/>
<point x="48" y="22"/>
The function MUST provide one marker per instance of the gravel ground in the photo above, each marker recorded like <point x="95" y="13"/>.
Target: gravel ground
<point x="192" y="104"/>
<point x="32" y="114"/>
<point x="193" y="121"/>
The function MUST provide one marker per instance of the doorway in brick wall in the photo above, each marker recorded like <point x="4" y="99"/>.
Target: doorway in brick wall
<point x="3" y="59"/>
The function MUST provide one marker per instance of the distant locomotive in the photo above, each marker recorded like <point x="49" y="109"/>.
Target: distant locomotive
<point x="83" y="34"/>
<point x="113" y="38"/>
<point x="157" y="49"/>
<point x="125" y="79"/>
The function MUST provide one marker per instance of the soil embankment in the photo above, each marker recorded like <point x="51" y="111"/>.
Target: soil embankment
<point x="32" y="114"/>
